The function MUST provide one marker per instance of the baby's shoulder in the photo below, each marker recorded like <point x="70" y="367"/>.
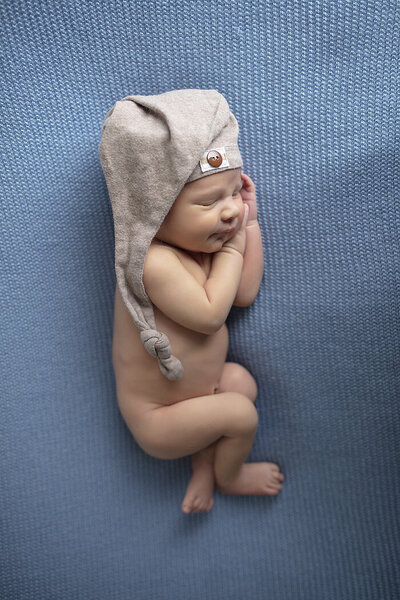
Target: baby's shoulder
<point x="161" y="256"/>
<point x="159" y="249"/>
<point x="194" y="264"/>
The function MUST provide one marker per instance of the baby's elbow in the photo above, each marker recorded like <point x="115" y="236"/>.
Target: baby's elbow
<point x="200" y="321"/>
<point x="211" y="328"/>
<point x="206" y="326"/>
<point x="213" y="324"/>
<point x="207" y="320"/>
<point x="202" y="327"/>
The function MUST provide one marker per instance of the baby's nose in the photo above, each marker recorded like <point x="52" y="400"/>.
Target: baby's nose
<point x="231" y="211"/>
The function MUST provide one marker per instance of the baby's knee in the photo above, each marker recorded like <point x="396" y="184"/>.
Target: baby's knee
<point x="244" y="414"/>
<point x="236" y="378"/>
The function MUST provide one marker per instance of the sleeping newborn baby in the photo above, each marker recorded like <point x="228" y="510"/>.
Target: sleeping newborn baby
<point x="181" y="264"/>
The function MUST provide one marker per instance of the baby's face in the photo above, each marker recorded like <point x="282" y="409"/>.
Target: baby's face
<point x="203" y="212"/>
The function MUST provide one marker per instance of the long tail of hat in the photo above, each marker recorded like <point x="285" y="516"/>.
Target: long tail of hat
<point x="151" y="143"/>
<point x="155" y="342"/>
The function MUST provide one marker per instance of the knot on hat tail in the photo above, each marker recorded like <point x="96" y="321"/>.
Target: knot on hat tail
<point x="157" y="344"/>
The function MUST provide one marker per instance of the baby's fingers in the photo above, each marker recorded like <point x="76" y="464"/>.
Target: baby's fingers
<point x="245" y="216"/>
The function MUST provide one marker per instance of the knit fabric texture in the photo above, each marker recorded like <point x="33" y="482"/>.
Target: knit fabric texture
<point x="85" y="513"/>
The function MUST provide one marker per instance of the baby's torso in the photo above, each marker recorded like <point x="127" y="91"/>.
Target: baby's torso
<point x="137" y="373"/>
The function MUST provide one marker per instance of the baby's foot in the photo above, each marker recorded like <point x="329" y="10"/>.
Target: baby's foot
<point x="255" y="479"/>
<point x="199" y="492"/>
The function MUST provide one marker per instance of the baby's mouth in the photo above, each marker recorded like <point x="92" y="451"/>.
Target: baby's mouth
<point x="225" y="231"/>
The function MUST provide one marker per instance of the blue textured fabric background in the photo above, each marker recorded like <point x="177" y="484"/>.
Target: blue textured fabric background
<point x="85" y="513"/>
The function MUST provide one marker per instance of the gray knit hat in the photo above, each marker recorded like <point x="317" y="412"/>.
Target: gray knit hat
<point x="150" y="147"/>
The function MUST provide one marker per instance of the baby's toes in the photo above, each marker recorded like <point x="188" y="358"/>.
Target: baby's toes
<point x="197" y="505"/>
<point x="274" y="485"/>
<point x="192" y="502"/>
<point x="276" y="476"/>
<point x="202" y="504"/>
<point x="189" y="505"/>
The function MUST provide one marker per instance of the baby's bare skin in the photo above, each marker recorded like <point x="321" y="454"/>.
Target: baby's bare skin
<point x="187" y="234"/>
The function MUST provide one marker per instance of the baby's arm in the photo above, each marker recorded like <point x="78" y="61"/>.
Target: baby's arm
<point x="253" y="267"/>
<point x="253" y="259"/>
<point x="182" y="298"/>
<point x="222" y="283"/>
<point x="174" y="290"/>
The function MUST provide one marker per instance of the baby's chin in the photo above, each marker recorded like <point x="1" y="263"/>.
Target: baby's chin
<point x="216" y="241"/>
<point x="212" y="244"/>
<point x="221" y="238"/>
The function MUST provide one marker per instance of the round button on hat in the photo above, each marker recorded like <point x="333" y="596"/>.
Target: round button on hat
<point x="214" y="158"/>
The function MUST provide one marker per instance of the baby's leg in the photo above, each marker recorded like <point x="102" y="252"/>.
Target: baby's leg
<point x="199" y="493"/>
<point x="183" y="428"/>
<point x="200" y="490"/>
<point x="188" y="426"/>
<point x="234" y="378"/>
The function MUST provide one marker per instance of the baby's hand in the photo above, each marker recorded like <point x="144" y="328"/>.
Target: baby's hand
<point x="238" y="240"/>
<point x="248" y="193"/>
